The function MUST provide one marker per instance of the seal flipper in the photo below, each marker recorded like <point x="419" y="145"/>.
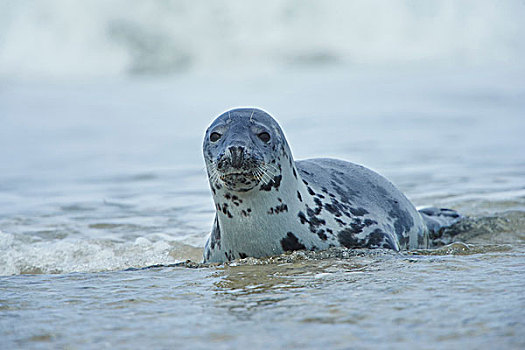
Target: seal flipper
<point x="438" y="220"/>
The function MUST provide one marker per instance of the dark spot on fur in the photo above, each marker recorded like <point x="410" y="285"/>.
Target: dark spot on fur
<point x="313" y="220"/>
<point x="299" y="196"/>
<point x="322" y="235"/>
<point x="358" y="211"/>
<point x="242" y="255"/>
<point x="310" y="212"/>
<point x="375" y="239"/>
<point x="347" y="239"/>
<point x="337" y="208"/>
<point x="311" y="191"/>
<point x="357" y="227"/>
<point x="403" y="222"/>
<point x="294" y="173"/>
<point x="332" y="209"/>
<point x="344" y="193"/>
<point x="306" y="183"/>
<point x="340" y="222"/>
<point x="278" y="209"/>
<point x="266" y="186"/>
<point x="291" y="243"/>
<point x="215" y="234"/>
<point x="302" y="218"/>
<point x="276" y="182"/>
<point x="369" y="222"/>
<point x="225" y="210"/>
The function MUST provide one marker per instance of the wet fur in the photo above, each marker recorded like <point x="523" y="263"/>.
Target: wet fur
<point x="312" y="204"/>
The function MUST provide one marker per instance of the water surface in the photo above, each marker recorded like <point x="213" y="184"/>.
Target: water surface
<point x="99" y="181"/>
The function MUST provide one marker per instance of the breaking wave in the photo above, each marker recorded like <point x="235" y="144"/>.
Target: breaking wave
<point x="477" y="235"/>
<point x="57" y="38"/>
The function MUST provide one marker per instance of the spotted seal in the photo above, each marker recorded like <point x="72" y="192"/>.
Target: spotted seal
<point x="266" y="203"/>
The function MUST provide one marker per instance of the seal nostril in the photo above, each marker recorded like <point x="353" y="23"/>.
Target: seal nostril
<point x="237" y="156"/>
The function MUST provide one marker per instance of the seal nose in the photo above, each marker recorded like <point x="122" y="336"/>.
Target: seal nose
<point x="236" y="155"/>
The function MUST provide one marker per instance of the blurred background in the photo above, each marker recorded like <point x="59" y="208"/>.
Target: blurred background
<point x="60" y="39"/>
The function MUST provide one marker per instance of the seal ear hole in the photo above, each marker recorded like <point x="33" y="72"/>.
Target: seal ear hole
<point x="215" y="136"/>
<point x="264" y="137"/>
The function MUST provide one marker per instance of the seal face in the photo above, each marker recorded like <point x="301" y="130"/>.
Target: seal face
<point x="266" y="203"/>
<point x="238" y="150"/>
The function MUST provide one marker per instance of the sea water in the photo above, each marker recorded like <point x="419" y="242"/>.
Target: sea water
<point x="103" y="191"/>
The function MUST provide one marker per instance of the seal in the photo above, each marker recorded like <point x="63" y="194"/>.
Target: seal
<point x="266" y="203"/>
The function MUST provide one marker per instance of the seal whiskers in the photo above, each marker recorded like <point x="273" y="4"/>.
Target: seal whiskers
<point x="262" y="174"/>
<point x="213" y="173"/>
<point x="265" y="172"/>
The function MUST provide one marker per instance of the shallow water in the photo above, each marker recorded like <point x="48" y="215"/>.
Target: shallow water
<point x="98" y="181"/>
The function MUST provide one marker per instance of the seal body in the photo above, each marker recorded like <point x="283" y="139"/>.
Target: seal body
<point x="266" y="203"/>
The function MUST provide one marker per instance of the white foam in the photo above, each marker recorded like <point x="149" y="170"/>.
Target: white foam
<point x="65" y="256"/>
<point x="57" y="38"/>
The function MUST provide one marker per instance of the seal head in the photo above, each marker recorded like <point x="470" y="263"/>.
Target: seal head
<point x="239" y="149"/>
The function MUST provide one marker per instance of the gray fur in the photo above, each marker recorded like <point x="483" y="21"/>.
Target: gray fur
<point x="266" y="203"/>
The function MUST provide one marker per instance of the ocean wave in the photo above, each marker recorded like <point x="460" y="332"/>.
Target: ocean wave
<point x="57" y="38"/>
<point x="66" y="256"/>
<point x="473" y="235"/>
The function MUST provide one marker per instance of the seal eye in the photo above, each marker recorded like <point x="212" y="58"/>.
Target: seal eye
<point x="215" y="136"/>
<point x="264" y="136"/>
